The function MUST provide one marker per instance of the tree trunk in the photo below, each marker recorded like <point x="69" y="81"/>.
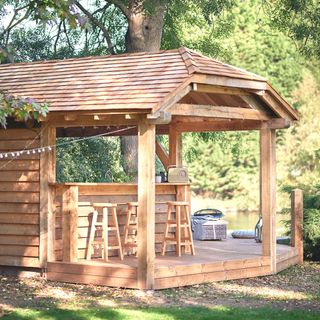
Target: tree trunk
<point x="143" y="35"/>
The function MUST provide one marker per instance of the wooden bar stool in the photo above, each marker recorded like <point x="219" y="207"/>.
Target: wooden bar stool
<point x="105" y="226"/>
<point x="181" y="221"/>
<point x="131" y="225"/>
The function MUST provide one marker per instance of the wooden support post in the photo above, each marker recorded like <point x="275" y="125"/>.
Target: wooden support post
<point x="146" y="204"/>
<point x="268" y="193"/>
<point x="175" y="147"/>
<point x="47" y="175"/>
<point x="297" y="222"/>
<point x="70" y="224"/>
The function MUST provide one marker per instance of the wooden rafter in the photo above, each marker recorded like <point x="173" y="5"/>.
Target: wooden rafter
<point x="162" y="154"/>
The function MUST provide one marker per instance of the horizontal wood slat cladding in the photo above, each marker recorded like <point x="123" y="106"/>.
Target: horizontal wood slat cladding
<point x="19" y="199"/>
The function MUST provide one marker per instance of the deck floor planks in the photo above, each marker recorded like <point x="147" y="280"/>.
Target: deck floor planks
<point x="214" y="261"/>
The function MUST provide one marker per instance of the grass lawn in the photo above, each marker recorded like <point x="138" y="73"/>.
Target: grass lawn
<point x="171" y="313"/>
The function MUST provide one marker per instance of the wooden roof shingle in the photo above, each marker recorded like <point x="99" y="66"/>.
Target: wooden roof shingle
<point x="139" y="81"/>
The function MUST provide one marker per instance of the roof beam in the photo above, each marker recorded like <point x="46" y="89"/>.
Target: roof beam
<point x="191" y="124"/>
<point x="209" y="111"/>
<point x="229" y="82"/>
<point x="207" y="88"/>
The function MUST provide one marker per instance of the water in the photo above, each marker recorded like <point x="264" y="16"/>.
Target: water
<point x="237" y="220"/>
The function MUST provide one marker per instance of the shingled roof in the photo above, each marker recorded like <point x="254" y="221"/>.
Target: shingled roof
<point x="139" y="81"/>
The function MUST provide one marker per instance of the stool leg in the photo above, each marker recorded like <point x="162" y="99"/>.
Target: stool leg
<point x="185" y="233"/>
<point x="178" y="230"/>
<point x="91" y="234"/>
<point x="166" y="233"/>
<point x="105" y="234"/>
<point x="136" y="231"/>
<point x="189" y="230"/>
<point x="126" y="228"/>
<point x="115" y="220"/>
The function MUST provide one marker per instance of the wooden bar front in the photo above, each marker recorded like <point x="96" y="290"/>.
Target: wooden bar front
<point x="121" y="194"/>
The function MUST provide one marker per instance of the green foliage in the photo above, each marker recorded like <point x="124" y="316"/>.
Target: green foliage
<point x="21" y="109"/>
<point x="257" y="47"/>
<point x="311" y="220"/>
<point x="301" y="20"/>
<point x="92" y="160"/>
<point x="226" y="167"/>
<point x="298" y="148"/>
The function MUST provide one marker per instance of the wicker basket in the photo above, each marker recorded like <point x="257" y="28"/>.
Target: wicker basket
<point x="210" y="230"/>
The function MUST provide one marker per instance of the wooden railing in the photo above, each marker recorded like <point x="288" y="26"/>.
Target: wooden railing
<point x="73" y="209"/>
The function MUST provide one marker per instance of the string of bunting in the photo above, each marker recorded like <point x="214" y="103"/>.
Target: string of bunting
<point x="15" y="154"/>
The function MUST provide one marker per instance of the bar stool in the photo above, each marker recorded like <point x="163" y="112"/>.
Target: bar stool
<point x="181" y="221"/>
<point x="131" y="224"/>
<point x="105" y="226"/>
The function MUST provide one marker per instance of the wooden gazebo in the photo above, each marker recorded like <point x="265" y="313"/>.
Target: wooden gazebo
<point x="44" y="225"/>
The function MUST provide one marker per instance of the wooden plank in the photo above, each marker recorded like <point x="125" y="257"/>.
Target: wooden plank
<point x="70" y="224"/>
<point x="19" y="240"/>
<point x="47" y="175"/>
<point x="162" y="154"/>
<point x="94" y="270"/>
<point x="297" y="222"/>
<point x="146" y="204"/>
<point x="21" y="176"/>
<point x="19" y="197"/>
<point x="19" y="229"/>
<point x="219" y="90"/>
<point x="18" y="144"/>
<point x="268" y="193"/>
<point x="24" y="208"/>
<point x="14" y="134"/>
<point x="274" y="106"/>
<point x="19" y="251"/>
<point x="19" y="261"/>
<point x="175" y="146"/>
<point x="93" y="280"/>
<point x="18" y="218"/>
<point x="14" y="165"/>
<point x="222" y="275"/>
<point x="229" y="82"/>
<point x="172" y="98"/>
<point x="190" y="124"/>
<point x="211" y="111"/>
<point x="19" y="186"/>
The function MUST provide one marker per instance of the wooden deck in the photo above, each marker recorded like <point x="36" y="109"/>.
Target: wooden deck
<point x="214" y="261"/>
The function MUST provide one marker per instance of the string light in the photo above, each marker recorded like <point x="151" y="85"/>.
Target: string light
<point x="51" y="147"/>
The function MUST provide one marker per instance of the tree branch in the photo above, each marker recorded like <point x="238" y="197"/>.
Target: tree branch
<point x="98" y="24"/>
<point x="57" y="39"/>
<point x="12" y="24"/>
<point x="121" y="6"/>
<point x="66" y="33"/>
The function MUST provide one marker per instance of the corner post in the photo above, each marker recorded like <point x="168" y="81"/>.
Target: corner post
<point x="146" y="204"/>
<point x="175" y="146"/>
<point x="268" y="193"/>
<point x="70" y="224"/>
<point x="47" y="176"/>
<point x="297" y="222"/>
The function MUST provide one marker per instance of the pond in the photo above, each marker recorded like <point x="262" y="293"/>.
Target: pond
<point x="237" y="219"/>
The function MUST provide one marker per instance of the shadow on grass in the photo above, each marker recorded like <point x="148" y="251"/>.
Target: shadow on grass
<point x="186" y="313"/>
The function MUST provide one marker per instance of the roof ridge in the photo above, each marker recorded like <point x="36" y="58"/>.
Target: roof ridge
<point x="93" y="57"/>
<point x="187" y="58"/>
<point x="228" y="65"/>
